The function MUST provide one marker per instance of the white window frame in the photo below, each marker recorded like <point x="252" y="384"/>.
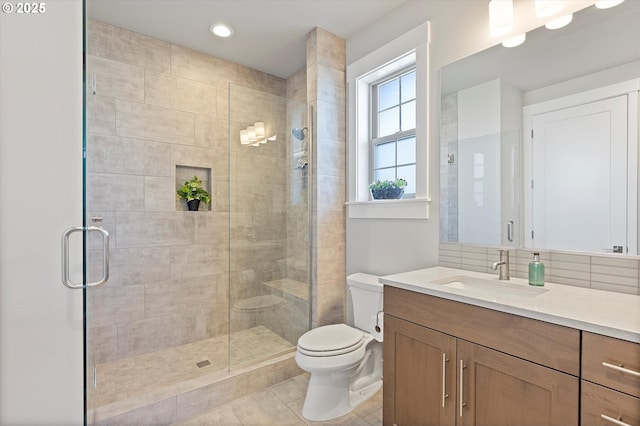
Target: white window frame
<point x="409" y="49"/>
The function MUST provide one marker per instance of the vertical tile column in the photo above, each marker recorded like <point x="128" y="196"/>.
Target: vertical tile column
<point x="326" y="89"/>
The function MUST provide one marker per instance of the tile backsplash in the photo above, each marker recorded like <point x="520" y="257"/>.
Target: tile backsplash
<point x="604" y="272"/>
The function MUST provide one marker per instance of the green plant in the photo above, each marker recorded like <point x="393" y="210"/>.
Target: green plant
<point x="389" y="184"/>
<point x="192" y="190"/>
<point x="387" y="189"/>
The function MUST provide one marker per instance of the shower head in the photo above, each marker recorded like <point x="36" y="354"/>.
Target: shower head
<point x="299" y="133"/>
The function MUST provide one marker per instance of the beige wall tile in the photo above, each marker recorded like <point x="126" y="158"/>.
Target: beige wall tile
<point x="331" y="157"/>
<point x="198" y="260"/>
<point x="200" y="67"/>
<point x="104" y="344"/>
<point x="215" y="160"/>
<point x="296" y="86"/>
<point x="180" y="94"/>
<point x="114" y="305"/>
<point x="330" y="122"/>
<point x="330" y="193"/>
<point x="180" y="295"/>
<point x="158" y="413"/>
<point x="159" y="194"/>
<point x="333" y="228"/>
<point x="330" y="264"/>
<point x="211" y="133"/>
<point x="331" y="85"/>
<point x="139" y="265"/>
<point x="116" y="79"/>
<point x="112" y="154"/>
<point x="101" y="115"/>
<point x="149" y="229"/>
<point x="212" y="396"/>
<point x="331" y="49"/>
<point x="115" y="192"/>
<point x="141" y="121"/>
<point x="109" y="42"/>
<point x="152" y="334"/>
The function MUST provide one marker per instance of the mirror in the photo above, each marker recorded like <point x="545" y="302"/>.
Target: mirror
<point x="497" y="187"/>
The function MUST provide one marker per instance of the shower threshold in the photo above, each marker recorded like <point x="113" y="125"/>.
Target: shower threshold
<point x="178" y="382"/>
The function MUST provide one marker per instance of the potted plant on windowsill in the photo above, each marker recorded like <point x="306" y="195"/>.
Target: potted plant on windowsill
<point x="388" y="189"/>
<point x="193" y="192"/>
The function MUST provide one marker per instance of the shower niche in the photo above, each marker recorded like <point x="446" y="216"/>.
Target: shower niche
<point x="185" y="174"/>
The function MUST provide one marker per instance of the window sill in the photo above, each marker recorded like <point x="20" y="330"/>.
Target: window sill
<point x="416" y="208"/>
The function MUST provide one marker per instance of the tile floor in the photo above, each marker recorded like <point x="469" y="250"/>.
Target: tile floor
<point x="281" y="405"/>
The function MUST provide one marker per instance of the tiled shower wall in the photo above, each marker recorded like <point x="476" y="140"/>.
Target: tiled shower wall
<point x="326" y="87"/>
<point x="157" y="106"/>
<point x="609" y="272"/>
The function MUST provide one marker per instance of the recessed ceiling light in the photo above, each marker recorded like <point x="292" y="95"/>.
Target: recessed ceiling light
<point x="221" y="30"/>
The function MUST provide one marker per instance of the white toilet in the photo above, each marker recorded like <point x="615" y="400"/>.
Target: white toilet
<point x="345" y="361"/>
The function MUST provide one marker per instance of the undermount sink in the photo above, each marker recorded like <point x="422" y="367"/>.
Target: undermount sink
<point x="481" y="286"/>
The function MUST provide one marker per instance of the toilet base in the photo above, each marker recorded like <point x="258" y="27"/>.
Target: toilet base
<point x="329" y="397"/>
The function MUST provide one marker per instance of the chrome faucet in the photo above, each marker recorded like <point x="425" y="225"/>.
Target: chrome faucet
<point x="503" y="264"/>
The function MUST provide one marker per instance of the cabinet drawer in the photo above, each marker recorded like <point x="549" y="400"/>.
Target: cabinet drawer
<point x="547" y="344"/>
<point x="604" y="407"/>
<point x="611" y="362"/>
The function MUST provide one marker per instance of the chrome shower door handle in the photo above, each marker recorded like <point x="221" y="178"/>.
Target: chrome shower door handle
<point x="65" y="256"/>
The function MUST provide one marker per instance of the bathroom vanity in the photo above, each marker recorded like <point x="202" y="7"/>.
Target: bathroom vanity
<point x="463" y="348"/>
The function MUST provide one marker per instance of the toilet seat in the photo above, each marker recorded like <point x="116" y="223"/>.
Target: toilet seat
<point x="330" y="340"/>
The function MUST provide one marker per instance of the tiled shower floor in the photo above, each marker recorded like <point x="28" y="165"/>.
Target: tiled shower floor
<point x="143" y="378"/>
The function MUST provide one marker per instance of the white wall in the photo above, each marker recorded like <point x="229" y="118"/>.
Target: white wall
<point x="458" y="28"/>
<point x="40" y="196"/>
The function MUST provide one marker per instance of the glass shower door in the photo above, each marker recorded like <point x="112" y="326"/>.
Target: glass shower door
<point x="269" y="175"/>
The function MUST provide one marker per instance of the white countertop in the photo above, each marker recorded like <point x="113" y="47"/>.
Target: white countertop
<point x="603" y="312"/>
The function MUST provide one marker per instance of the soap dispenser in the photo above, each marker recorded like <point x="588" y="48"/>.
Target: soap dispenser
<point x="536" y="271"/>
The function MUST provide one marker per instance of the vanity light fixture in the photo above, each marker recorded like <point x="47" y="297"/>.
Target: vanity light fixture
<point x="606" y="4"/>
<point x="221" y="30"/>
<point x="515" y="41"/>
<point x="500" y="17"/>
<point x="255" y="135"/>
<point x="562" y="21"/>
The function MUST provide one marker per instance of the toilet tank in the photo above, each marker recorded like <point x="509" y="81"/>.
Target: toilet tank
<point x="364" y="297"/>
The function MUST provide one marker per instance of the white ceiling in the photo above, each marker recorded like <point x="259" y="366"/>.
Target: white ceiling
<point x="595" y="40"/>
<point x="269" y="35"/>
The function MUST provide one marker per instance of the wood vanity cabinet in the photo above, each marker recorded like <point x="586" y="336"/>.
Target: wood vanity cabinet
<point x="610" y="381"/>
<point x="450" y="363"/>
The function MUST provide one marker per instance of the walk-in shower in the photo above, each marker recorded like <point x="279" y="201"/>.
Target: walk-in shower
<point x="195" y="297"/>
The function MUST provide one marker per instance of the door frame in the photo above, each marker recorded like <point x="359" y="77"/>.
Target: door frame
<point x="629" y="88"/>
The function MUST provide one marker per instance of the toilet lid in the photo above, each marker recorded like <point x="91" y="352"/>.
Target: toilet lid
<point x="330" y="340"/>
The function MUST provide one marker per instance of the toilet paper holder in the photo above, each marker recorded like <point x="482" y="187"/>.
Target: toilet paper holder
<point x="377" y="327"/>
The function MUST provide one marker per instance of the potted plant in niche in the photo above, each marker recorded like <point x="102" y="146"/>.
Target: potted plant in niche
<point x="388" y="189"/>
<point x="193" y="192"/>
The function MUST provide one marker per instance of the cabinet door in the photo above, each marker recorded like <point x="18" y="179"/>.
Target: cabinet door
<point x="497" y="389"/>
<point x="419" y="375"/>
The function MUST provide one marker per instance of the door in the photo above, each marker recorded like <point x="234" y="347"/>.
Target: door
<point x="40" y="195"/>
<point x="579" y="180"/>
<point x="498" y="389"/>
<point x="419" y="374"/>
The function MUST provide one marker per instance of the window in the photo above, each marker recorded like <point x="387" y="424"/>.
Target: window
<point x="388" y="128"/>
<point x="393" y="122"/>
